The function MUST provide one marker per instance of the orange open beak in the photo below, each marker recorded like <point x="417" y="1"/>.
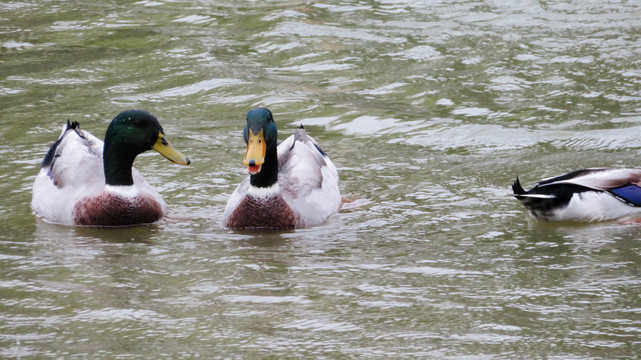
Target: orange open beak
<point x="255" y="155"/>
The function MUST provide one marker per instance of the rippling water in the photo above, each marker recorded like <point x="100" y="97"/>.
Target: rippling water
<point x="428" y="108"/>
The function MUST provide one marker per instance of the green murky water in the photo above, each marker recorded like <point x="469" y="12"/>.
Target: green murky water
<point x="429" y="109"/>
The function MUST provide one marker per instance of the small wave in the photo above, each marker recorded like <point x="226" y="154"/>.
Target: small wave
<point x="318" y="325"/>
<point x="256" y="299"/>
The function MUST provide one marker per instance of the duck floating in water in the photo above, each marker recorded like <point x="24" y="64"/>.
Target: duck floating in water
<point x="584" y="195"/>
<point x="85" y="182"/>
<point x="290" y="185"/>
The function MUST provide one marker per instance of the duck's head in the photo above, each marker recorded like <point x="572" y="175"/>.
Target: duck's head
<point x="130" y="133"/>
<point x="261" y="136"/>
<point x="136" y="131"/>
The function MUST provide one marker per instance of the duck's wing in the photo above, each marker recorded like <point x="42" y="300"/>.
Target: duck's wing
<point x="71" y="169"/>
<point x="625" y="184"/>
<point x="307" y="178"/>
<point x="74" y="159"/>
<point x="602" y="179"/>
<point x="235" y="199"/>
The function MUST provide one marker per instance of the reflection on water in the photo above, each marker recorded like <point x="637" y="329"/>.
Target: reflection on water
<point x="428" y="109"/>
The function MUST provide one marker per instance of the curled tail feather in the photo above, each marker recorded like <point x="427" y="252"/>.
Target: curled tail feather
<point x="517" y="188"/>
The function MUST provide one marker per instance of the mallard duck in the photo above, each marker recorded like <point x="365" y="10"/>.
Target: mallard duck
<point x="290" y="185"/>
<point x="85" y="182"/>
<point x="584" y="195"/>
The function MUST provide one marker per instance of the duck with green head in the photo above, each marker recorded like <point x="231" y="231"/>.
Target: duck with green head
<point x="292" y="184"/>
<point x="86" y="182"/>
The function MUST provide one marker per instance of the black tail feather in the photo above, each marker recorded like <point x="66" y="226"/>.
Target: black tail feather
<point x="50" y="157"/>
<point x="517" y="188"/>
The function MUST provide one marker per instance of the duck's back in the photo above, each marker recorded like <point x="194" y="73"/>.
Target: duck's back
<point x="308" y="179"/>
<point x="71" y="169"/>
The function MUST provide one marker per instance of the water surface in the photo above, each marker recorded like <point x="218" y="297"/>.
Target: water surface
<point x="429" y="109"/>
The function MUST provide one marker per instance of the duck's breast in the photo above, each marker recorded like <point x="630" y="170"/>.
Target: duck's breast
<point x="112" y="209"/>
<point x="260" y="212"/>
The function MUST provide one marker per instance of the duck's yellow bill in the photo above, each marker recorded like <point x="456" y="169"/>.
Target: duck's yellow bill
<point x="164" y="147"/>
<point x="256" y="149"/>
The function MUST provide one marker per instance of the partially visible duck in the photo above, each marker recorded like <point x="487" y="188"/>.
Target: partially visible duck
<point x="84" y="181"/>
<point x="290" y="185"/>
<point x="584" y="195"/>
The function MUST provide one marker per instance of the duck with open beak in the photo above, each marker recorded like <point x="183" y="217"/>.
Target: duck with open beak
<point x="256" y="149"/>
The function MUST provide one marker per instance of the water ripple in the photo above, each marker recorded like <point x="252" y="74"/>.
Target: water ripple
<point x="428" y="108"/>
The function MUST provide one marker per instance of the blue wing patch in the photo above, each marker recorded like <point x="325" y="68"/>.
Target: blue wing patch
<point x="629" y="193"/>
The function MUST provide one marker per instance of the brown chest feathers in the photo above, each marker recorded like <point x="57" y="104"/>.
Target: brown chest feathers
<point x="111" y="210"/>
<point x="268" y="213"/>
